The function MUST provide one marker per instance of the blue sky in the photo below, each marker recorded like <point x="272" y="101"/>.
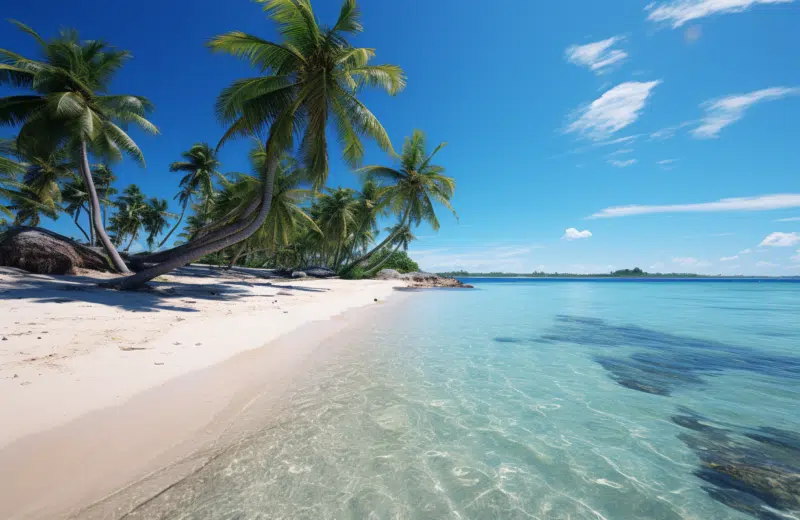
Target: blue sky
<point x="583" y="135"/>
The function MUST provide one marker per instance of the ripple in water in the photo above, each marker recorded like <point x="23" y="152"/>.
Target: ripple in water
<point x="534" y="400"/>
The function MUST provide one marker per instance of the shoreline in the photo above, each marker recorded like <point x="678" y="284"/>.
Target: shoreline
<point x="145" y="417"/>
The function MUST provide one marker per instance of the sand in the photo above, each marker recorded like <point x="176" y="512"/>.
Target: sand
<point x="99" y="387"/>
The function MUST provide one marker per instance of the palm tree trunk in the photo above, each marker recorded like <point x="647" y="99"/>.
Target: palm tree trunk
<point x="77" y="215"/>
<point x="379" y="246"/>
<point x="213" y="236"/>
<point x="383" y="261"/>
<point x="236" y="255"/>
<point x="192" y="255"/>
<point x="97" y="223"/>
<point x="133" y="237"/>
<point x="91" y="227"/>
<point x="171" y="231"/>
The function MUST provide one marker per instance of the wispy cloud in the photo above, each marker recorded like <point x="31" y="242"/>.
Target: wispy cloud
<point x="762" y="203"/>
<point x="726" y="111"/>
<point x="598" y="56"/>
<point x="728" y="258"/>
<point x="668" y="132"/>
<point x="616" y="109"/>
<point x="574" y="234"/>
<point x="745" y="252"/>
<point x="766" y="264"/>
<point x="678" y="12"/>
<point x="779" y="239"/>
<point x="622" y="151"/>
<point x="688" y="261"/>
<point x="667" y="164"/>
<point x="622" y="164"/>
<point x="790" y="219"/>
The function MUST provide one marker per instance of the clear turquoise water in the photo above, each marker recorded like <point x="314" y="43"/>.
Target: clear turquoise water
<point x="543" y="399"/>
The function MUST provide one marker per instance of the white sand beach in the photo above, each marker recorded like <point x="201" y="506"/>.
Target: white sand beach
<point x="71" y="353"/>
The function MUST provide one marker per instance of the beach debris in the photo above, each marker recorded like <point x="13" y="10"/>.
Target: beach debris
<point x="158" y="363"/>
<point x="299" y="274"/>
<point x="5" y="338"/>
<point x="283" y="293"/>
<point x="319" y="272"/>
<point x="126" y="349"/>
<point x="197" y="344"/>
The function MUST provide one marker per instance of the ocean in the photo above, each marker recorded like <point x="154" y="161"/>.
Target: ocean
<point x="549" y="399"/>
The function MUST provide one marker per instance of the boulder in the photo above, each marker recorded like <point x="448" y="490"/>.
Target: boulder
<point x="388" y="274"/>
<point x="299" y="274"/>
<point x="44" y="252"/>
<point x="319" y="272"/>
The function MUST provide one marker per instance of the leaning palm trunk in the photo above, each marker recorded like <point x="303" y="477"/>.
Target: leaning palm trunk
<point x="218" y="234"/>
<point x="377" y="248"/>
<point x="385" y="259"/>
<point x="77" y="216"/>
<point x="194" y="254"/>
<point x="97" y="223"/>
<point x="171" y="231"/>
<point x="130" y="243"/>
<point x="239" y="252"/>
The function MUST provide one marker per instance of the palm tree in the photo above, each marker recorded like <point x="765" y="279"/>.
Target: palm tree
<point x="413" y="188"/>
<point x="286" y="214"/>
<point x="104" y="179"/>
<point x="76" y="198"/>
<point x="184" y="198"/>
<point x="155" y="219"/>
<point x="200" y="165"/>
<point x="337" y="210"/>
<point x="132" y="210"/>
<point x="43" y="177"/>
<point x="371" y="205"/>
<point x="10" y="170"/>
<point x="310" y="79"/>
<point x="69" y="107"/>
<point x="402" y="237"/>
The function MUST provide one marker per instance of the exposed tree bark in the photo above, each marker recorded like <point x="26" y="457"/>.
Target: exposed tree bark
<point x="77" y="216"/>
<point x="91" y="227"/>
<point x="192" y="255"/>
<point x="97" y="223"/>
<point x="171" y="231"/>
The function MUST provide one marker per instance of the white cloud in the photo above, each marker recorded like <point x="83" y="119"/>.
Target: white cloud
<point x="622" y="164"/>
<point x="574" y="234"/>
<point x="621" y="152"/>
<point x="616" y="109"/>
<point x="762" y="203"/>
<point x="598" y="56"/>
<point x="779" y="239"/>
<point x="745" y="252"/>
<point x="766" y="264"/>
<point x="791" y="219"/>
<point x="726" y="111"/>
<point x="619" y="140"/>
<point x="728" y="258"/>
<point x="678" y="12"/>
<point x="666" y="162"/>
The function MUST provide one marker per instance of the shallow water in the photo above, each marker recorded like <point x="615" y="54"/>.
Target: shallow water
<point x="535" y="399"/>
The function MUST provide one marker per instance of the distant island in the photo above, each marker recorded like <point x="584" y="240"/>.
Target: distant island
<point x="621" y="273"/>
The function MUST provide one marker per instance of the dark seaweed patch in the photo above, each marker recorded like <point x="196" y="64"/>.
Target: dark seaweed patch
<point x="747" y="471"/>
<point x="505" y="339"/>
<point x="667" y="361"/>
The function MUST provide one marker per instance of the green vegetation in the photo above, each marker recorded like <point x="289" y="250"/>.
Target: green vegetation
<point x="280" y="214"/>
